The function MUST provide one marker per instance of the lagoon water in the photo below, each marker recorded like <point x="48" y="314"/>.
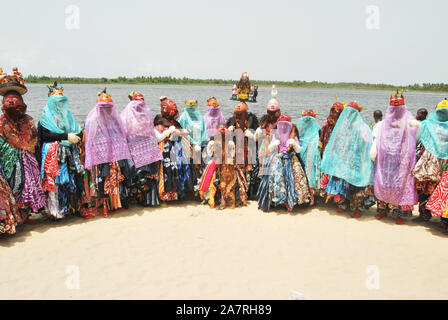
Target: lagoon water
<point x="82" y="98"/>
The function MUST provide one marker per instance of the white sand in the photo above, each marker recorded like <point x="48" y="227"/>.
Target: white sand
<point x="188" y="251"/>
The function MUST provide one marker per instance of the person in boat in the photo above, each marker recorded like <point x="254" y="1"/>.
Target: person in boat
<point x="324" y="137"/>
<point x="235" y="92"/>
<point x="107" y="156"/>
<point x="18" y="163"/>
<point x="143" y="146"/>
<point x="394" y="155"/>
<point x="62" y="172"/>
<point x="430" y="170"/>
<point x="255" y="94"/>
<point x="242" y="126"/>
<point x="347" y="163"/>
<point x="251" y="94"/>
<point x="284" y="181"/>
<point x="244" y="87"/>
<point x="219" y="181"/>
<point x="175" y="171"/>
<point x="309" y="130"/>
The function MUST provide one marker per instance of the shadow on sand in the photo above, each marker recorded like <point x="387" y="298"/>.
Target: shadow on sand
<point x="44" y="224"/>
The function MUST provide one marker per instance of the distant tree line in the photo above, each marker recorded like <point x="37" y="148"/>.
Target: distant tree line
<point x="163" y="80"/>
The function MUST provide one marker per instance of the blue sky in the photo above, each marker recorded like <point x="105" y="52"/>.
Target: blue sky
<point x="272" y="40"/>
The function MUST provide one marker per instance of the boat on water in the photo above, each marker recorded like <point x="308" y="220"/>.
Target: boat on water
<point x="243" y="91"/>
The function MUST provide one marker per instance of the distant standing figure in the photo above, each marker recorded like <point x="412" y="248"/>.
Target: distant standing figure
<point x="421" y="115"/>
<point x="377" y="117"/>
<point x="255" y="93"/>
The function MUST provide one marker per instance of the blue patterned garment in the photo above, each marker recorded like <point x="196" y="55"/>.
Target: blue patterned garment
<point x="310" y="153"/>
<point x="346" y="155"/>
<point x="434" y="134"/>
<point x="337" y="186"/>
<point x="277" y="184"/>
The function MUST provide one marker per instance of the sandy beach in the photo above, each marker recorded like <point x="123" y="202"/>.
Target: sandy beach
<point x="188" y="251"/>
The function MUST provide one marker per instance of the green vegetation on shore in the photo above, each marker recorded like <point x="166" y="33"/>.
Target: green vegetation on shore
<point x="438" y="87"/>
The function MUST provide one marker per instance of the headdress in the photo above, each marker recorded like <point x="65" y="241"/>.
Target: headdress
<point x="191" y="103"/>
<point x="103" y="96"/>
<point x="55" y="89"/>
<point x="241" y="107"/>
<point x="212" y="102"/>
<point x="12" y="82"/>
<point x="136" y="96"/>
<point x="396" y="100"/>
<point x="284" y="117"/>
<point x="354" y="104"/>
<point x="309" y="113"/>
<point x="443" y="104"/>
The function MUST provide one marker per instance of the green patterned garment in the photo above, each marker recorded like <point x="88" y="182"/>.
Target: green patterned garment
<point x="9" y="157"/>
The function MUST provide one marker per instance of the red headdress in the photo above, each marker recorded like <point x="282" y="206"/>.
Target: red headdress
<point x="309" y="113"/>
<point x="354" y="104"/>
<point x="284" y="117"/>
<point x="168" y="108"/>
<point x="16" y="127"/>
<point x="136" y="96"/>
<point x="396" y="100"/>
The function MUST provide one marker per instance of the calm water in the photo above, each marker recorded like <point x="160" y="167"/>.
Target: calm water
<point x="82" y="99"/>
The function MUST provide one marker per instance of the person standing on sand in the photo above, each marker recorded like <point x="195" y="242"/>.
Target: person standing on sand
<point x="347" y="163"/>
<point x="107" y="154"/>
<point x="192" y="121"/>
<point x="175" y="171"/>
<point x="377" y="117"/>
<point x="143" y="146"/>
<point x="242" y="126"/>
<point x="430" y="171"/>
<point x="219" y="181"/>
<point x="266" y="130"/>
<point x="393" y="152"/>
<point x="309" y="129"/>
<point x="284" y="181"/>
<point x="324" y="137"/>
<point x="59" y="156"/>
<point x="19" y="166"/>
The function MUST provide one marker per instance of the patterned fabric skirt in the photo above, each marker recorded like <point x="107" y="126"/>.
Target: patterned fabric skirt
<point x="9" y="215"/>
<point x="300" y="181"/>
<point x="437" y="203"/>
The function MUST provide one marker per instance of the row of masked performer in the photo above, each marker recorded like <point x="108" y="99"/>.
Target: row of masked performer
<point x="59" y="168"/>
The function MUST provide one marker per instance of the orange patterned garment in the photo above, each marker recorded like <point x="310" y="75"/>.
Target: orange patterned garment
<point x="112" y="186"/>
